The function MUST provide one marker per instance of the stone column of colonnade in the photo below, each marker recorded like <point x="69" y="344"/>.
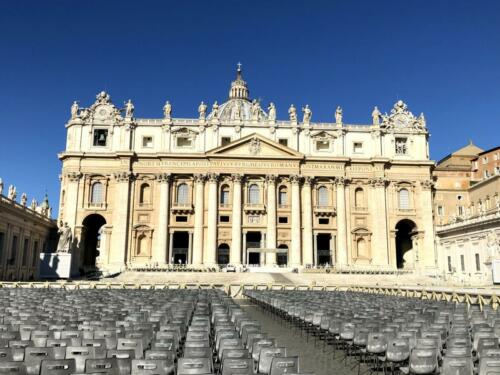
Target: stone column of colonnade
<point x="199" y="187"/>
<point x="235" y="255"/>
<point x="161" y="244"/>
<point x="341" y="222"/>
<point x="271" y="219"/>
<point x="307" y="238"/>
<point x="426" y="250"/>
<point x="213" y="201"/>
<point x="294" y="258"/>
<point x="120" y="220"/>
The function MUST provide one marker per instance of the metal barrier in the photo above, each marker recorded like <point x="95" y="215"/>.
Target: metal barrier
<point x="472" y="297"/>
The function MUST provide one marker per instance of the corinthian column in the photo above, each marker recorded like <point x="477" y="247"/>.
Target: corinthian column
<point x="235" y="255"/>
<point x="307" y="238"/>
<point x="160" y="253"/>
<point x="271" y="219"/>
<point x="211" y="246"/>
<point x="120" y="220"/>
<point x="341" y="222"/>
<point x="295" y="246"/>
<point x="199" y="187"/>
<point x="378" y="207"/>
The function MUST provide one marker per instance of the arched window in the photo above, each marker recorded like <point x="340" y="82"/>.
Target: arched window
<point x="97" y="195"/>
<point x="254" y="194"/>
<point x="145" y="194"/>
<point x="182" y="194"/>
<point x="224" y="195"/>
<point x="282" y="196"/>
<point x="404" y="199"/>
<point x="322" y="196"/>
<point x="359" y="197"/>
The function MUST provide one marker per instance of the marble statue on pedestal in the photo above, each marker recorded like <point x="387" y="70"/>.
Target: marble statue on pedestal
<point x="338" y="115"/>
<point x="292" y="111"/>
<point x="493" y="244"/>
<point x="129" y="109"/>
<point x="307" y="114"/>
<point x="12" y="193"/>
<point x="24" y="199"/>
<point x="272" y="112"/>
<point x="74" y="110"/>
<point x="33" y="204"/>
<point x="376" y="116"/>
<point x="1" y="186"/>
<point x="255" y="110"/>
<point x="167" y="110"/>
<point x="65" y="237"/>
<point x="202" y="110"/>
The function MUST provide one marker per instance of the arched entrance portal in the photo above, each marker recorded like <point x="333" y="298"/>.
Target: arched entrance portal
<point x="223" y="254"/>
<point x="405" y="257"/>
<point x="282" y="257"/>
<point x="92" y="225"/>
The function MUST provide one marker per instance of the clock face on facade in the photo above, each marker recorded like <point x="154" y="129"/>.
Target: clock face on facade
<point x="102" y="112"/>
<point x="400" y="120"/>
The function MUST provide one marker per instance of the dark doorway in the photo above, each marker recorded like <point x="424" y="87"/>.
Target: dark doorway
<point x="253" y="242"/>
<point x="282" y="257"/>
<point x="223" y="254"/>
<point x="323" y="247"/>
<point x="404" y="231"/>
<point x="92" y="225"/>
<point x="180" y="248"/>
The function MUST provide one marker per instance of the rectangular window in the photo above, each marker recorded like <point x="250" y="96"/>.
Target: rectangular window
<point x="440" y="210"/>
<point x="35" y="254"/>
<point x="2" y="239"/>
<point x="324" y="220"/>
<point x="283" y="141"/>
<point x="24" y="256"/>
<point x="181" y="219"/>
<point x="224" y="197"/>
<point x="184" y="142"/>
<point x="13" y="250"/>
<point x="100" y="137"/>
<point x="225" y="140"/>
<point x="283" y="219"/>
<point x="224" y="219"/>
<point x="462" y="262"/>
<point x="449" y="264"/>
<point x="478" y="263"/>
<point x="401" y="146"/>
<point x="357" y="147"/>
<point x="147" y="142"/>
<point x="460" y="210"/>
<point x="322" y="145"/>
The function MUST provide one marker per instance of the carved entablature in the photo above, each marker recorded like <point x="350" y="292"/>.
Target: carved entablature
<point x="103" y="111"/>
<point x="401" y="119"/>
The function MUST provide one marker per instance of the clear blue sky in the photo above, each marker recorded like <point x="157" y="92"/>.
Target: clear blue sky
<point x="441" y="57"/>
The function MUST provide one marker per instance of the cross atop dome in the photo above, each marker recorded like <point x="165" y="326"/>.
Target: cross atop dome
<point x="239" y="88"/>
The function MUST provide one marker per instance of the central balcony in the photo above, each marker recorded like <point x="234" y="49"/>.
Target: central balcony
<point x="254" y="208"/>
<point x="325" y="211"/>
<point x="182" y="208"/>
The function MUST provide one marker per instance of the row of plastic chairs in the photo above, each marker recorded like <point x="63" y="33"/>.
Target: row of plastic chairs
<point x="410" y="335"/>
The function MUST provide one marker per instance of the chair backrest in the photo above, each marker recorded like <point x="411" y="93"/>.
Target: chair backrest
<point x="193" y="366"/>
<point x="237" y="366"/>
<point x="160" y="354"/>
<point x="376" y="343"/>
<point x="11" y="367"/>
<point x="266" y="356"/>
<point x="489" y="366"/>
<point x="201" y="352"/>
<point x="259" y="344"/>
<point x="457" y="366"/>
<point x="284" y="365"/>
<point x="398" y="350"/>
<point x="152" y="367"/>
<point x="57" y="367"/>
<point x="423" y="360"/>
<point x="34" y="356"/>
<point x="102" y="365"/>
<point x="235" y="354"/>
<point x="136" y="344"/>
<point x="81" y="353"/>
<point x="228" y="344"/>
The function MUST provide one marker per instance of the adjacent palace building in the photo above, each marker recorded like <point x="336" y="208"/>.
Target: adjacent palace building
<point x="236" y="185"/>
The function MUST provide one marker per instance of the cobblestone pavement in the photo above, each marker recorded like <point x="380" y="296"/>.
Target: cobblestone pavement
<point x="312" y="357"/>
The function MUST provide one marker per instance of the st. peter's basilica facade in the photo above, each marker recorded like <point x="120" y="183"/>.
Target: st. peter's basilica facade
<point x="236" y="185"/>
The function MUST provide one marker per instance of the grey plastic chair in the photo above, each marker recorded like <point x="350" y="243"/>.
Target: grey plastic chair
<point x="284" y="365"/>
<point x="152" y="367"/>
<point x="57" y="367"/>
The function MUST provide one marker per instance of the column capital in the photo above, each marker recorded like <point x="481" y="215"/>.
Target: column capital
<point x="123" y="176"/>
<point x="427" y="184"/>
<point x="213" y="177"/>
<point x="295" y="179"/>
<point x="271" y="178"/>
<point x="73" y="176"/>
<point x="379" y="182"/>
<point x="237" y="177"/>
<point x="163" y="177"/>
<point x="199" y="178"/>
<point x="308" y="180"/>
<point x="342" y="181"/>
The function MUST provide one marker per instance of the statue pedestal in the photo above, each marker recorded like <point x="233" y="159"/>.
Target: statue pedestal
<point x="57" y="266"/>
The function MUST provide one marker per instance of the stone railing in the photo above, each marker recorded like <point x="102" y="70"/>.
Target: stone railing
<point x="472" y="220"/>
<point x="26" y="209"/>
